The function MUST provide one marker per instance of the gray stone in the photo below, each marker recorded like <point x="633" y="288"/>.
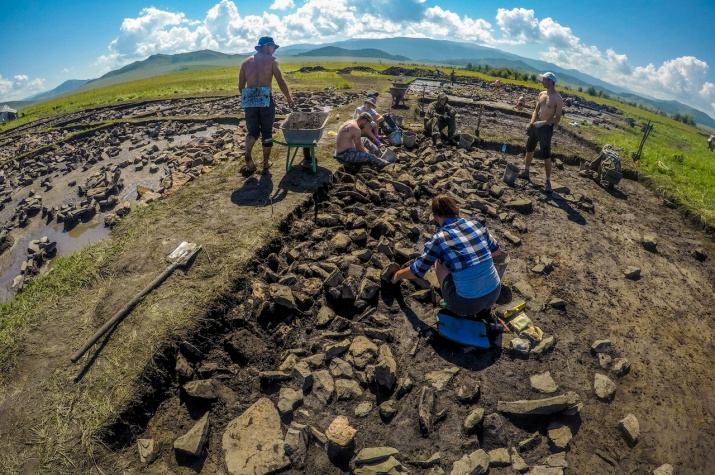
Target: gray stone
<point x="340" y="368"/>
<point x="632" y="272"/>
<point x="282" y="295"/>
<point x="388" y="409"/>
<point x="386" y="368"/>
<point x="289" y="363"/>
<point x="546" y="406"/>
<point x="183" y="368"/>
<point x="253" y="442"/>
<point x="404" y="386"/>
<point x="337" y="349"/>
<point x="621" y="367"/>
<point x="559" y="436"/>
<point x="665" y="469"/>
<point x="146" y="450"/>
<point x="368" y="289"/>
<point x="525" y="289"/>
<point x="630" y="429"/>
<point x="388" y="271"/>
<point x="468" y="391"/>
<point x="363" y="409"/>
<point x="499" y="457"/>
<point x="601" y="346"/>
<point x="347" y="389"/>
<point x="363" y="351"/>
<point x="206" y="389"/>
<point x="435" y="459"/>
<point x="302" y="374"/>
<point x="296" y="444"/>
<point x="543" y="383"/>
<point x="520" y="347"/>
<point x="315" y="361"/>
<point x="288" y="400"/>
<point x="372" y="455"/>
<point x="389" y="466"/>
<point x="605" y="388"/>
<point x="546" y="345"/>
<point x="341" y="439"/>
<point x="556" y="460"/>
<point x="323" y="386"/>
<point x="192" y="443"/>
<point x="340" y="242"/>
<point x="476" y="463"/>
<point x="473" y="420"/>
<point x="325" y="316"/>
<point x="650" y="243"/>
<point x="440" y="379"/>
<point x="558" y="304"/>
<point x="517" y="463"/>
<point x="425" y="411"/>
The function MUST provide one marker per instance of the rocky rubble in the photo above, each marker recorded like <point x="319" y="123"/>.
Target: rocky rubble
<point x="352" y="366"/>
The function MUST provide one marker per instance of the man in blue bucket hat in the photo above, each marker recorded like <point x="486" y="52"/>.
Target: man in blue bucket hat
<point x="254" y="84"/>
<point x="547" y="114"/>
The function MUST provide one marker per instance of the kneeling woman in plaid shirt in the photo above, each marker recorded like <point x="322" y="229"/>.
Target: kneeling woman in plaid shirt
<point x="462" y="253"/>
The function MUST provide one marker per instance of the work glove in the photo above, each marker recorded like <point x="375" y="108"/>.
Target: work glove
<point x="377" y="141"/>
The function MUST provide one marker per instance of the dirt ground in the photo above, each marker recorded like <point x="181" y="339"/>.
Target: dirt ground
<point x="662" y="323"/>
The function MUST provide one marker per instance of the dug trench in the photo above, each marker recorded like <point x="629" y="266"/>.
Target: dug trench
<point x="318" y="357"/>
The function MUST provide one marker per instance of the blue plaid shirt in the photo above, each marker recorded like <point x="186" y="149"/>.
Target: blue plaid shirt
<point x="458" y="244"/>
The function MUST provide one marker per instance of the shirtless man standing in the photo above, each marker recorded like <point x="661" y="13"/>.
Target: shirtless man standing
<point x="350" y="148"/>
<point x="254" y="84"/>
<point x="547" y="113"/>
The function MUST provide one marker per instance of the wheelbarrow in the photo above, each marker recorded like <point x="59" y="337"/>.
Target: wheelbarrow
<point x="303" y="130"/>
<point x="398" y="92"/>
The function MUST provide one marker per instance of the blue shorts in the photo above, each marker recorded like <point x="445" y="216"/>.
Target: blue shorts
<point x="259" y="122"/>
<point x="464" y="306"/>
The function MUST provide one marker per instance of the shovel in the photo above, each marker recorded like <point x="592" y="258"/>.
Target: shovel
<point x="181" y="257"/>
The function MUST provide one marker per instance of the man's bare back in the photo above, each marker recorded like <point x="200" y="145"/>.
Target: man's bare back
<point x="257" y="71"/>
<point x="349" y="137"/>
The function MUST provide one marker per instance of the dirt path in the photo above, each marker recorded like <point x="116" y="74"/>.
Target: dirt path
<point x="662" y="323"/>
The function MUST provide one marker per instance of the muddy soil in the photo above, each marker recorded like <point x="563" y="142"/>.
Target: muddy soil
<point x="662" y="323"/>
<point x="56" y="168"/>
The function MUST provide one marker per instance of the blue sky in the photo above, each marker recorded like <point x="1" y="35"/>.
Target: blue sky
<point x="663" y="49"/>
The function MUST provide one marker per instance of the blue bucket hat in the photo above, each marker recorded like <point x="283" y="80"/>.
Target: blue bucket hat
<point x="266" y="40"/>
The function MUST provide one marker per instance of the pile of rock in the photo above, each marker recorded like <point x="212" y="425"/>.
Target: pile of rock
<point x="39" y="252"/>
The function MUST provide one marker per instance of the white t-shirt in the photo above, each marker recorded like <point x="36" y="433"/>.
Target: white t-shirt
<point x="362" y="109"/>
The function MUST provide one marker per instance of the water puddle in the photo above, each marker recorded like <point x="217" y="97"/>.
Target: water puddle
<point x="68" y="241"/>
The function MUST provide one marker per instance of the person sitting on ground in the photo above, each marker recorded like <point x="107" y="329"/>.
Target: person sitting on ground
<point x="438" y="116"/>
<point x="369" y="105"/>
<point x="520" y="103"/>
<point x="461" y="251"/>
<point x="351" y="148"/>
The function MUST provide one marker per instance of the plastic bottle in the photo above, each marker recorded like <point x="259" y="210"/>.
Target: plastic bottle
<point x="503" y="149"/>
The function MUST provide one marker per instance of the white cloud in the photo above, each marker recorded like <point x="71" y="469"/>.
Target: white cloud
<point x="317" y="21"/>
<point x="19" y="87"/>
<point x="282" y="4"/>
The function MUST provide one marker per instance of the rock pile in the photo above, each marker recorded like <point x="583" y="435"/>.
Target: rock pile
<point x="39" y="252"/>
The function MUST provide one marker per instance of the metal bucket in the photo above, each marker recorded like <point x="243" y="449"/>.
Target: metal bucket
<point x="408" y="139"/>
<point x="511" y="173"/>
<point x="389" y="156"/>
<point x="465" y="140"/>
<point x="395" y="138"/>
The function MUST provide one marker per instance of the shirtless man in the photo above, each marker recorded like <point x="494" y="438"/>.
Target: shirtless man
<point x="351" y="149"/>
<point x="254" y="84"/>
<point x="547" y="113"/>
